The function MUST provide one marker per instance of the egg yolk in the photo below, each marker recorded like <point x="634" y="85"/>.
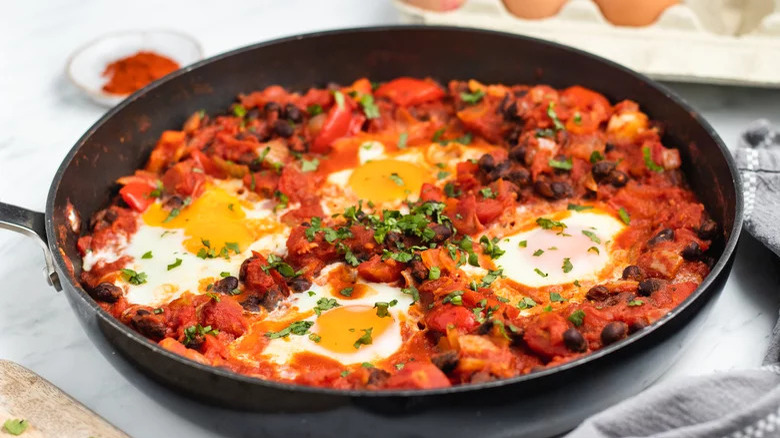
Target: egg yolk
<point x="216" y="218"/>
<point x="386" y="180"/>
<point x="341" y="328"/>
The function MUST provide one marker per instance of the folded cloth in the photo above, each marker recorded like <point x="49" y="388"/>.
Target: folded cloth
<point x="738" y="404"/>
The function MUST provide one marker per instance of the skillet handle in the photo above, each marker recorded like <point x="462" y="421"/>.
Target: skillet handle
<point x="32" y="224"/>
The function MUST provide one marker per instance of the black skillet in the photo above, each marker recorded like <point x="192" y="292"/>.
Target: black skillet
<point x="546" y="402"/>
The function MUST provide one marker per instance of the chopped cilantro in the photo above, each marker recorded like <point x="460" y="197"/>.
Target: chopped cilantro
<point x="555" y="297"/>
<point x="576" y="317"/>
<point x="561" y="164"/>
<point x="325" y="304"/>
<point x="592" y="236"/>
<point x="472" y="98"/>
<point x="442" y="174"/>
<point x="239" y="110"/>
<point x="538" y="252"/>
<point x="339" y="99"/>
<point x="369" y="107"/>
<point x="314" y="337"/>
<point x="381" y="307"/>
<point x="147" y="255"/>
<point x="310" y="166"/>
<point x="365" y="339"/>
<point x="567" y="266"/>
<point x="434" y="273"/>
<point x="15" y="426"/>
<point x="635" y="302"/>
<point x="596" y="156"/>
<point x="437" y="135"/>
<point x="454" y="297"/>
<point x="526" y="303"/>
<point x="576" y="207"/>
<point x="487" y="193"/>
<point x="346" y="292"/>
<point x="411" y="290"/>
<point x="133" y="277"/>
<point x="299" y="328"/>
<point x="523" y="243"/>
<point x="175" y="264"/>
<point x="396" y="179"/>
<point x="554" y="117"/>
<point x="648" y="156"/>
<point x="624" y="216"/>
<point x="490" y="247"/>
<point x="402" y="139"/>
<point x="314" y="109"/>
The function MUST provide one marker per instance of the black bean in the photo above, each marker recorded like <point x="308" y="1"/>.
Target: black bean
<point x="510" y="112"/>
<point x="601" y="169"/>
<point x="292" y="113"/>
<point x="636" y="326"/>
<point x="597" y="293"/>
<point x="377" y="376"/>
<point x="299" y="284"/>
<point x="419" y="271"/>
<point x="647" y="287"/>
<point x="272" y="298"/>
<point x="446" y="361"/>
<point x="665" y="235"/>
<point x="708" y="229"/>
<point x="501" y="170"/>
<point x="226" y="285"/>
<point x="617" y="178"/>
<point x="692" y="251"/>
<point x="271" y="107"/>
<point x="521" y="177"/>
<point x="283" y="129"/>
<point x="256" y="165"/>
<point x="574" y="340"/>
<point x="513" y="136"/>
<point x="486" y="163"/>
<point x="517" y="153"/>
<point x="196" y="342"/>
<point x="544" y="188"/>
<point x="633" y="272"/>
<point x="106" y="292"/>
<point x="609" y="147"/>
<point x="561" y="190"/>
<point x="148" y="325"/>
<point x="613" y="332"/>
<point x="251" y="303"/>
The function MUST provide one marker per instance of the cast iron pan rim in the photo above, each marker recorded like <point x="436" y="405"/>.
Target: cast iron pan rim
<point x="153" y="347"/>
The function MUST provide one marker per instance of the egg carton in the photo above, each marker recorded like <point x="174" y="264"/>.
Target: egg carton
<point x="733" y="42"/>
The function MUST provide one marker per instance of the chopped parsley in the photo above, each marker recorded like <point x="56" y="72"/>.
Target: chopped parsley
<point x="526" y="303"/>
<point x="465" y="139"/>
<point x="545" y="133"/>
<point x="381" y="308"/>
<point x="576" y="207"/>
<point x="365" y="339"/>
<point x="442" y="174"/>
<point x="314" y="109"/>
<point x="567" y="266"/>
<point x="434" y="273"/>
<point x="576" y="317"/>
<point x="224" y="274"/>
<point x="487" y="193"/>
<point x="554" y="117"/>
<point x="310" y="166"/>
<point x="133" y="277"/>
<point x="522" y="243"/>
<point x="396" y="179"/>
<point x="175" y="264"/>
<point x="283" y="200"/>
<point x="538" y="252"/>
<point x="594" y="249"/>
<point x="233" y="246"/>
<point x="369" y="107"/>
<point x="367" y="365"/>
<point x="624" y="216"/>
<point x="346" y="292"/>
<point x="147" y="255"/>
<point x="555" y="297"/>
<point x="451" y="191"/>
<point x="276" y="262"/>
<point x="454" y="297"/>
<point x="578" y="118"/>
<point x="490" y="247"/>
<point x="635" y="302"/>
<point x="472" y="98"/>
<point x="299" y="328"/>
<point x="339" y="99"/>
<point x="15" y="426"/>
<point x="492" y="276"/>
<point x="325" y="304"/>
<point x="561" y="164"/>
<point x="437" y="135"/>
<point x="191" y="332"/>
<point x="549" y="224"/>
<point x="539" y="271"/>
<point x="239" y="111"/>
<point x="344" y="373"/>
<point x="400" y="366"/>
<point x="596" y="156"/>
<point x="402" y="139"/>
<point x="648" y="156"/>
<point x="592" y="236"/>
<point x="314" y="337"/>
<point x="411" y="290"/>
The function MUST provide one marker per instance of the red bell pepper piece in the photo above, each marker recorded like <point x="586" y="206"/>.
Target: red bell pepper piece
<point x="137" y="195"/>
<point x="337" y="125"/>
<point x="410" y="91"/>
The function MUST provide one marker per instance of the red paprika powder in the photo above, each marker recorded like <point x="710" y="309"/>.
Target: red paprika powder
<point x="129" y="74"/>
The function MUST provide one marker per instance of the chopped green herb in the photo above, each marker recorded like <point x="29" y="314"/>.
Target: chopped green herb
<point x="578" y="118"/>
<point x="347" y="291"/>
<point x="538" y="252"/>
<point x="567" y="266"/>
<point x="283" y="200"/>
<point x="555" y="297"/>
<point x="314" y="109"/>
<point x="596" y="156"/>
<point x="365" y="339"/>
<point x="15" y="426"/>
<point x="576" y="207"/>
<point x="147" y="255"/>
<point x="339" y="99"/>
<point x="624" y="216"/>
<point x="547" y="308"/>
<point x="213" y="296"/>
<point x="310" y="166"/>
<point x="492" y="276"/>
<point x="314" y="337"/>
<point x="233" y="246"/>
<point x="490" y="247"/>
<point x="175" y="264"/>
<point x="577" y="283"/>
<point x="411" y="290"/>
<point x="133" y="277"/>
<point x="472" y="98"/>
<point x="554" y="117"/>
<point x="369" y="107"/>
<point x="191" y="332"/>
<point x="648" y="156"/>
<point x="594" y="249"/>
<point x="592" y="236"/>
<point x="396" y="179"/>
<point x="577" y="317"/>
<point x="325" y="304"/>
<point x="344" y="373"/>
<point x="442" y="174"/>
<point x="635" y="302"/>
<point x="465" y="139"/>
<point x="437" y="135"/>
<point x="454" y="297"/>
<point x="549" y="224"/>
<point x="299" y="328"/>
<point x="451" y="191"/>
<point x="526" y="303"/>
<point x="367" y="365"/>
<point x="399" y="366"/>
<point x="381" y="308"/>
<point x="546" y="133"/>
<point x="239" y="110"/>
<point x="539" y="271"/>
<point x="561" y="164"/>
<point x="402" y="139"/>
<point x="523" y="243"/>
<point x="224" y="274"/>
<point x="487" y="193"/>
<point x="158" y="311"/>
<point x="434" y="273"/>
<point x="311" y="293"/>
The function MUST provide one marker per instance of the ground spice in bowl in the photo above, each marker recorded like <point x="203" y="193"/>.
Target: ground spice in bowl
<point x="134" y="72"/>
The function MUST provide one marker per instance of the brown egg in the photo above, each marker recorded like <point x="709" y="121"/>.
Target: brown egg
<point x="436" y="5"/>
<point x="534" y="9"/>
<point x="633" y="12"/>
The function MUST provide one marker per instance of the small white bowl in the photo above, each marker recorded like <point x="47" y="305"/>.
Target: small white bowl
<point x="85" y="67"/>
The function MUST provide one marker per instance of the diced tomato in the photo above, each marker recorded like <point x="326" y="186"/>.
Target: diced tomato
<point x="202" y="161"/>
<point x="182" y="180"/>
<point x="446" y="315"/>
<point x="418" y="375"/>
<point x="588" y="109"/>
<point x="488" y="210"/>
<point x="429" y="192"/>
<point x="463" y="215"/>
<point x="544" y="335"/>
<point x="225" y="315"/>
<point x="410" y="91"/>
<point x="338" y="124"/>
<point x="137" y="196"/>
<point x="379" y="271"/>
<point x="466" y="175"/>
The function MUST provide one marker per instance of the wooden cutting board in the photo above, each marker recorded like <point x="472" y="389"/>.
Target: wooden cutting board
<point x="50" y="412"/>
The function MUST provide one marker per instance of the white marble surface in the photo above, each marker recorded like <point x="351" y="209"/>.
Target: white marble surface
<point x="41" y="116"/>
